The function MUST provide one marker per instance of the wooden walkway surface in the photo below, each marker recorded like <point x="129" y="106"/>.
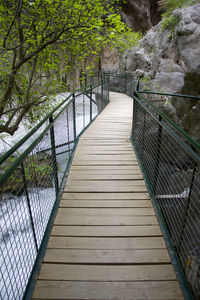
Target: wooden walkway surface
<point x="106" y="242"/>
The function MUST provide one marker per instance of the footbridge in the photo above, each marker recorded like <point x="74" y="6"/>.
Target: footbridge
<point x="104" y="204"/>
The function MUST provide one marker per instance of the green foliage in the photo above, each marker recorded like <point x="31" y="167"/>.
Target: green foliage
<point x="170" y="5"/>
<point x="127" y="40"/>
<point x="42" y="40"/>
<point x="170" y="20"/>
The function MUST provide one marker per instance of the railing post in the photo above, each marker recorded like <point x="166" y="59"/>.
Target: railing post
<point x="74" y="116"/>
<point x="29" y="205"/>
<point x="68" y="128"/>
<point x="135" y="104"/>
<point x="125" y="82"/>
<point x="158" y="153"/>
<point x="108" y="87"/>
<point x="143" y="136"/>
<point x="53" y="151"/>
<point x="102" y="82"/>
<point x="90" y="103"/>
<point x="185" y="213"/>
<point x="138" y="86"/>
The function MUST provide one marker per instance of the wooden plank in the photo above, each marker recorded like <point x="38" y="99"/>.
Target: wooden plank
<point x="107" y="231"/>
<point x="90" y="176"/>
<point x="106" y="138"/>
<point x="105" y="196"/>
<point x="107" y="188"/>
<point x="141" y="211"/>
<point x="101" y="220"/>
<point x="73" y="290"/>
<point x="105" y="203"/>
<point x="107" y="243"/>
<point x="102" y="142"/>
<point x="106" y="168"/>
<point x="107" y="157"/>
<point x="91" y="152"/>
<point x="106" y="149"/>
<point x="109" y="130"/>
<point x="79" y="162"/>
<point x="141" y="256"/>
<point x="106" y="183"/>
<point x="106" y="133"/>
<point x="106" y="273"/>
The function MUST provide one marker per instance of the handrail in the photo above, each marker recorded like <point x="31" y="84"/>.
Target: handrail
<point x="28" y="150"/>
<point x="150" y="149"/>
<point x="170" y="131"/>
<point x="38" y="126"/>
<point x="32" y="184"/>
<point x="169" y="94"/>
<point x="170" y="166"/>
<point x="172" y="123"/>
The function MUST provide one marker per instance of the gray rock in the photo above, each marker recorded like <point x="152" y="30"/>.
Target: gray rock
<point x="170" y="111"/>
<point x="170" y="82"/>
<point x="171" y="64"/>
<point x="195" y="16"/>
<point x="138" y="59"/>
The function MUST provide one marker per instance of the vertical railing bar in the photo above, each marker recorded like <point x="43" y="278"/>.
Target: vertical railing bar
<point x="134" y="120"/>
<point x="29" y="205"/>
<point x="125" y="79"/>
<point x="74" y="116"/>
<point x="68" y="132"/>
<point x="90" y="103"/>
<point x="101" y="94"/>
<point x="185" y="213"/>
<point x="83" y="111"/>
<point x="53" y="151"/>
<point x="158" y="153"/>
<point x="108" y="78"/>
<point x="143" y="135"/>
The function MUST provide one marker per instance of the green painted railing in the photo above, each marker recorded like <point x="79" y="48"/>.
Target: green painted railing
<point x="32" y="183"/>
<point x="33" y="180"/>
<point x="170" y="160"/>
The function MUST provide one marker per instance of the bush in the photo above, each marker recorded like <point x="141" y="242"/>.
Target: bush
<point x="170" y="20"/>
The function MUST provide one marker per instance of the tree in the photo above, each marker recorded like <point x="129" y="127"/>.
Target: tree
<point x="39" y="41"/>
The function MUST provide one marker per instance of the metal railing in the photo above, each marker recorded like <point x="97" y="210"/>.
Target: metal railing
<point x="171" y="164"/>
<point x="170" y="161"/>
<point x="118" y="82"/>
<point x="32" y="182"/>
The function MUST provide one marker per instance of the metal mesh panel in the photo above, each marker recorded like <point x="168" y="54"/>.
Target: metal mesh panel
<point x="173" y="173"/>
<point x="17" y="244"/>
<point x="29" y="191"/>
<point x="62" y="134"/>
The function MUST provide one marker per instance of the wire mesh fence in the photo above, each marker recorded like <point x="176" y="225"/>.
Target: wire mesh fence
<point x="172" y="169"/>
<point x="118" y="82"/>
<point x="31" y="183"/>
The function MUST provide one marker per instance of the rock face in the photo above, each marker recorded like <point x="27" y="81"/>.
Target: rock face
<point x="170" y="63"/>
<point x="140" y="15"/>
<point x="136" y="14"/>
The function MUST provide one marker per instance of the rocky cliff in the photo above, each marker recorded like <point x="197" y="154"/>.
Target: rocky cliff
<point x="168" y="61"/>
<point x="140" y="15"/>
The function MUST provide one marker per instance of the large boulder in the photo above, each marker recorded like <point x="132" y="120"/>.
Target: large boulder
<point x="168" y="62"/>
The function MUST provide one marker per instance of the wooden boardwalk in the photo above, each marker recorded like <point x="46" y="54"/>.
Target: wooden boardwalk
<point x="106" y="242"/>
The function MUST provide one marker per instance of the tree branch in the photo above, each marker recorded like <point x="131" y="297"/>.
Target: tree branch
<point x="12" y="23"/>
